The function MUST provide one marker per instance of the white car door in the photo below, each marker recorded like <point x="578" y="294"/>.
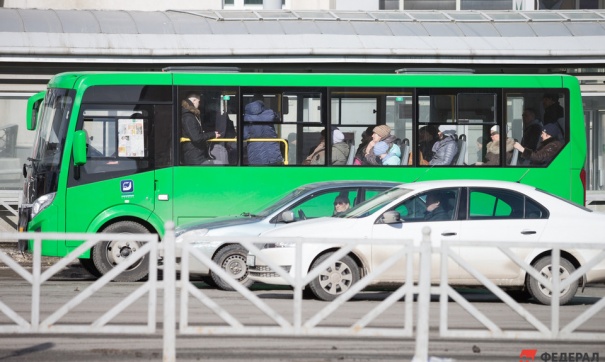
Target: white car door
<point x="499" y="215"/>
<point x="413" y="212"/>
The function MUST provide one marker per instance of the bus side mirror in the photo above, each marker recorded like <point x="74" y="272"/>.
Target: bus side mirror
<point x="79" y="149"/>
<point x="33" y="109"/>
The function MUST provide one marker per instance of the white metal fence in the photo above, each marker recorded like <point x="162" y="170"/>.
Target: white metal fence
<point x="296" y="324"/>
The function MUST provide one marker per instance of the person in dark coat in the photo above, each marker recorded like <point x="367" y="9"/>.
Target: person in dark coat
<point x="552" y="109"/>
<point x="258" y="125"/>
<point x="435" y="210"/>
<point x="548" y="149"/>
<point x="194" y="140"/>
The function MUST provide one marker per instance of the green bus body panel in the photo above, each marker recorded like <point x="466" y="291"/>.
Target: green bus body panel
<point x="186" y="193"/>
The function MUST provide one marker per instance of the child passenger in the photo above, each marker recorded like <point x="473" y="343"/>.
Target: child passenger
<point x="386" y="156"/>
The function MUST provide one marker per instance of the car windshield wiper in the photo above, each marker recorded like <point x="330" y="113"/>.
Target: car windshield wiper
<point x="247" y="214"/>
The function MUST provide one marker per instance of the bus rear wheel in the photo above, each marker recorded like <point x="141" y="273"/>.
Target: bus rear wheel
<point x="109" y="253"/>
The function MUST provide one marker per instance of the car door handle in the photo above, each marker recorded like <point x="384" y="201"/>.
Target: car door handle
<point x="528" y="232"/>
<point x="451" y="233"/>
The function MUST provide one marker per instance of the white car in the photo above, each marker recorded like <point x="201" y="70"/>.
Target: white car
<point x="305" y="202"/>
<point x="467" y="210"/>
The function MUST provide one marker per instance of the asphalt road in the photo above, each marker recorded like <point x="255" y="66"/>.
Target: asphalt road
<point x="16" y="294"/>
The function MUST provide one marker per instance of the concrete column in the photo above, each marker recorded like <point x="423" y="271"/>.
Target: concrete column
<point x="271" y="4"/>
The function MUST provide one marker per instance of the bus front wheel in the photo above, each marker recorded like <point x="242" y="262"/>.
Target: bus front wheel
<point x="109" y="253"/>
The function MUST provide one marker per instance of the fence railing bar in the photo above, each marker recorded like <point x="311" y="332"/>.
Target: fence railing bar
<point x="10" y="313"/>
<point x="491" y="286"/>
<point x="12" y="264"/>
<point x="583" y="317"/>
<point x="124" y="303"/>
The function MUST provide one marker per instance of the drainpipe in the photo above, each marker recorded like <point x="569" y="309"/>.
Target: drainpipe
<point x="270" y="4"/>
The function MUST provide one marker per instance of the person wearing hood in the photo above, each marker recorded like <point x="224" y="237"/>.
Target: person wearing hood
<point x="258" y="125"/>
<point x="547" y="150"/>
<point x="386" y="156"/>
<point x="446" y="147"/>
<point x="492" y="155"/>
<point x="194" y="140"/>
<point x="340" y="150"/>
<point x="381" y="133"/>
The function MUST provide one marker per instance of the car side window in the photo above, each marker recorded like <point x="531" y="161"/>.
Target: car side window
<point x="490" y="203"/>
<point x="324" y="204"/>
<point x="418" y="208"/>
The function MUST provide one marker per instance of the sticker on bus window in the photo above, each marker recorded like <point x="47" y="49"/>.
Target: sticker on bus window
<point x="131" y="140"/>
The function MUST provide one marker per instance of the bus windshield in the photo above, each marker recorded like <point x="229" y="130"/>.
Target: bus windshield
<point x="50" y="137"/>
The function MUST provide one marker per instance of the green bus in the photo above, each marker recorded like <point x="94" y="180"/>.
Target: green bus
<point x="108" y="153"/>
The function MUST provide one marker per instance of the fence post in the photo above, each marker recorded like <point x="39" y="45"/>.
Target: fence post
<point x="169" y="278"/>
<point x="424" y="298"/>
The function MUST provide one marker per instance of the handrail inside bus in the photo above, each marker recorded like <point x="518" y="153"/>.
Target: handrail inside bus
<point x="285" y="142"/>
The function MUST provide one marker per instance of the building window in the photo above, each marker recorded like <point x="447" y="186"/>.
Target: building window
<point x="388" y="5"/>
<point x="429" y="4"/>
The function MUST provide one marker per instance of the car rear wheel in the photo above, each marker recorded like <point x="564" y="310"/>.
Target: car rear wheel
<point x="232" y="258"/>
<point x="108" y="254"/>
<point x="540" y="292"/>
<point x="336" y="279"/>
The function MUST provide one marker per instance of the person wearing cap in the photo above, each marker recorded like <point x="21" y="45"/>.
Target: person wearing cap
<point x="492" y="154"/>
<point x="548" y="149"/>
<point x="380" y="133"/>
<point x="341" y="204"/>
<point x="194" y="140"/>
<point x="446" y="147"/>
<point x="386" y="156"/>
<point x="552" y="109"/>
<point x="340" y="150"/>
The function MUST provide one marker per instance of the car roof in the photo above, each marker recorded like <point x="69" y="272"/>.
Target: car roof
<point x="349" y="183"/>
<point x="421" y="185"/>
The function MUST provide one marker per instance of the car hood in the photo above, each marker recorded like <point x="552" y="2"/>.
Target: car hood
<point x="320" y="227"/>
<point x="219" y="222"/>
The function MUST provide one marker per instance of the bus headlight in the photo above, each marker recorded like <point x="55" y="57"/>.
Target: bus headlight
<point x="42" y="203"/>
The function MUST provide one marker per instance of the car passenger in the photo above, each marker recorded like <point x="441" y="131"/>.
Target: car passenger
<point x="341" y="204"/>
<point x="547" y="150"/>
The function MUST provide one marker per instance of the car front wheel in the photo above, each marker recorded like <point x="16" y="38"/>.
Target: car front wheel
<point x="336" y="279"/>
<point x="232" y="259"/>
<point x="540" y="292"/>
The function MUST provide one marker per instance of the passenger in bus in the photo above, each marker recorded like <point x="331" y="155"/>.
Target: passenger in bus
<point x="446" y="147"/>
<point x="380" y="133"/>
<point x="480" y="149"/>
<point x="366" y="138"/>
<point x="427" y="136"/>
<point x="553" y="112"/>
<point x="532" y="129"/>
<point x="194" y="139"/>
<point x="387" y="156"/>
<point x="492" y="154"/>
<point x="341" y="204"/>
<point x="258" y="125"/>
<point x="549" y="148"/>
<point x="340" y="150"/>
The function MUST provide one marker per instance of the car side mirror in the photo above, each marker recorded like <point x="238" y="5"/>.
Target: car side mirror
<point x="287" y="216"/>
<point x="391" y="217"/>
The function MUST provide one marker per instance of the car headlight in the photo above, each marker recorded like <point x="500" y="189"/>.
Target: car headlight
<point x="42" y="203"/>
<point x="192" y="236"/>
<point x="280" y="244"/>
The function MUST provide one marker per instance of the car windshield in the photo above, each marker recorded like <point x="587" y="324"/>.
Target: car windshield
<point x="277" y="203"/>
<point x="370" y="206"/>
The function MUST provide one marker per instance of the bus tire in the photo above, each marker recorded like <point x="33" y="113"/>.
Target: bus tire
<point x="109" y="253"/>
<point x="336" y="279"/>
<point x="89" y="266"/>
<point x="232" y="258"/>
<point x="540" y="292"/>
